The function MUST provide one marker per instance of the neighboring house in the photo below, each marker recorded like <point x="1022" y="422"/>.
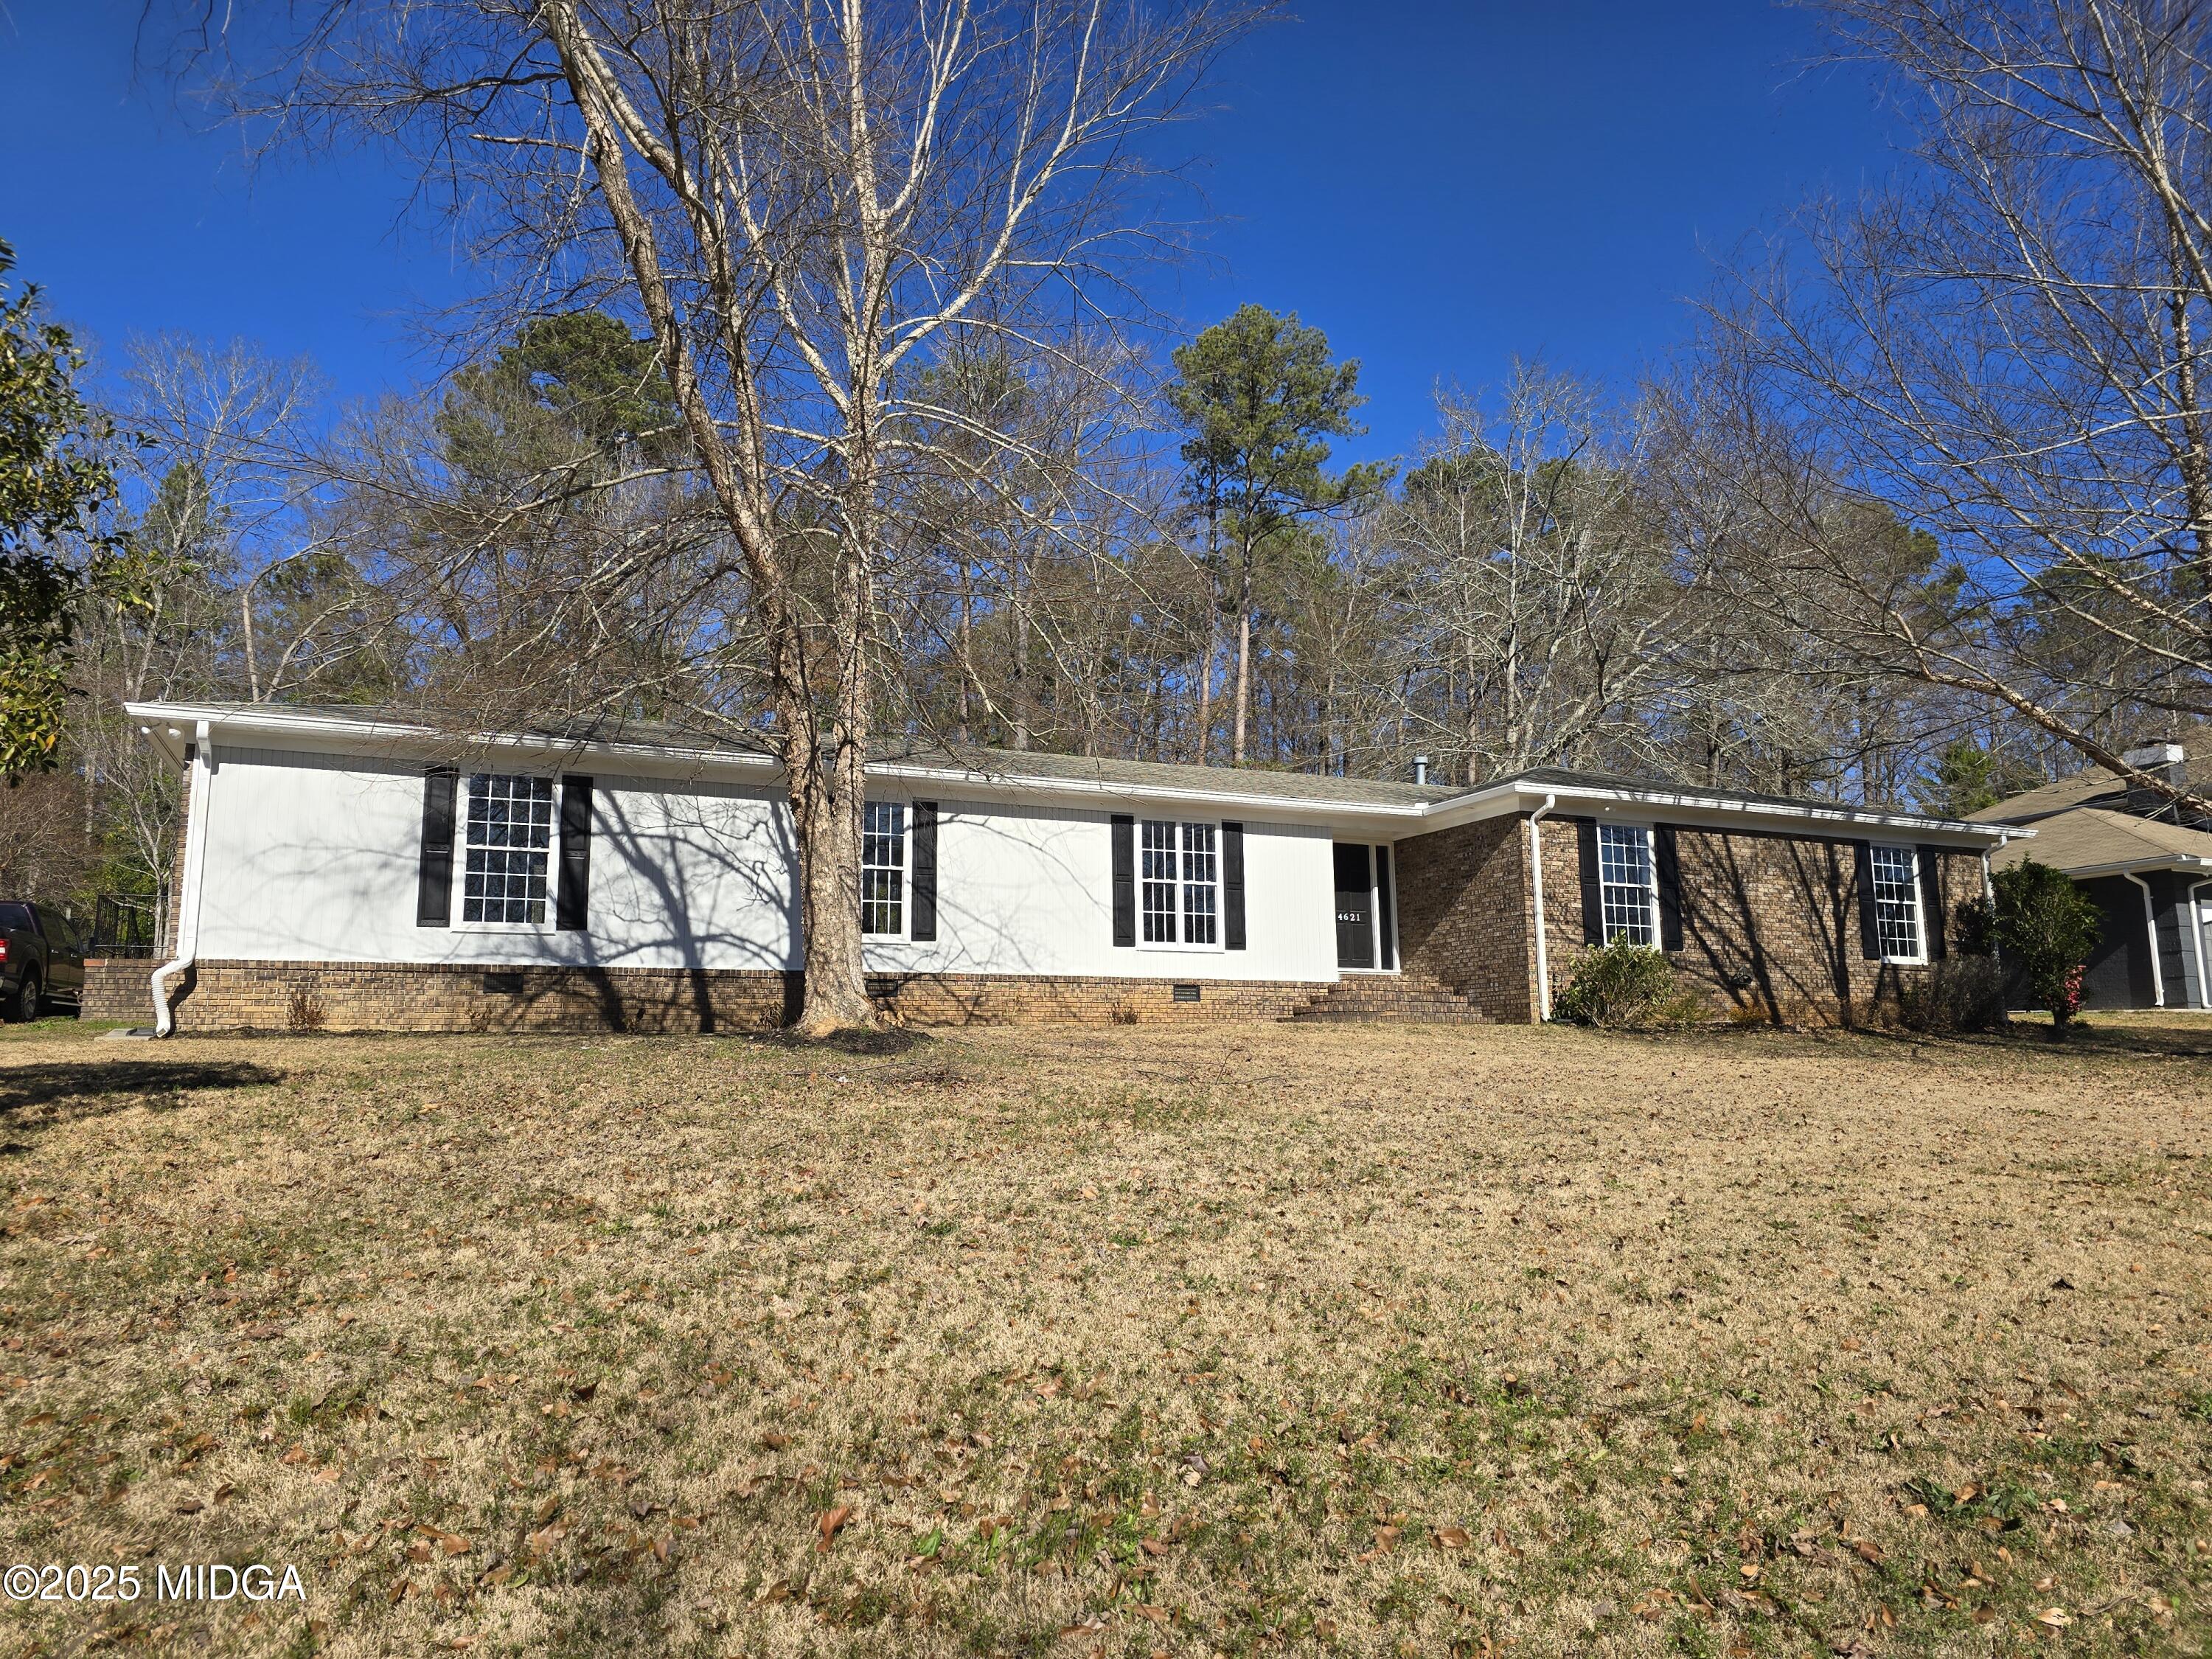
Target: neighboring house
<point x="352" y="870"/>
<point x="2143" y="868"/>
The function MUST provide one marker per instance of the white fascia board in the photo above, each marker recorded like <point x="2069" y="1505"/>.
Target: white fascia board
<point x="285" y="729"/>
<point x="1700" y="810"/>
<point x="1211" y="802"/>
<point x="170" y="722"/>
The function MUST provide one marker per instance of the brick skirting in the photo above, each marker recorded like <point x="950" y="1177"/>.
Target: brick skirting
<point x="305" y="996"/>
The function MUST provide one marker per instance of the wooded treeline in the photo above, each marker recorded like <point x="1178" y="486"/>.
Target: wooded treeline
<point x="1525" y="591"/>
<point x="808" y="402"/>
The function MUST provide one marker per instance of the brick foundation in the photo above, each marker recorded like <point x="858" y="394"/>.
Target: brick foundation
<point x="295" y="996"/>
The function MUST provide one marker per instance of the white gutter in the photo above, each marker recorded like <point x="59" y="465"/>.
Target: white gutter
<point x="197" y="797"/>
<point x="2150" y="928"/>
<point x="1536" y="874"/>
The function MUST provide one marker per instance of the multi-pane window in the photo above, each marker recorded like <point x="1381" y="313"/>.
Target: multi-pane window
<point x="883" y="868"/>
<point x="1201" y="884"/>
<point x="510" y="838"/>
<point x="1180" y="883"/>
<point x="1625" y="894"/>
<point x="1897" y="904"/>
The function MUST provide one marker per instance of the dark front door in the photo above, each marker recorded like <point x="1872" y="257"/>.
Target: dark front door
<point x="1355" y="907"/>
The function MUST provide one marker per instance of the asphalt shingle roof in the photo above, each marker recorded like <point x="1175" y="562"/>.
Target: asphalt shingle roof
<point x="2093" y="838"/>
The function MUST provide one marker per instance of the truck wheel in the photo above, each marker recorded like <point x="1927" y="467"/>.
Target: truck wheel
<point x="24" y="1005"/>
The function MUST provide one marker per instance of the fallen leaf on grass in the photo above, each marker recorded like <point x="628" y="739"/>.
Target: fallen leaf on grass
<point x="1454" y="1538"/>
<point x="828" y="1526"/>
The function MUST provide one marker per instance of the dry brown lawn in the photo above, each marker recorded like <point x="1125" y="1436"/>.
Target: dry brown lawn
<point x="1363" y="1340"/>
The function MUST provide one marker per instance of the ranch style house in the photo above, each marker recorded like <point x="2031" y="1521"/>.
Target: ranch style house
<point x="354" y="869"/>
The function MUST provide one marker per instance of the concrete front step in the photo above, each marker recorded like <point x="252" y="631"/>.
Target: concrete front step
<point x="1389" y="1017"/>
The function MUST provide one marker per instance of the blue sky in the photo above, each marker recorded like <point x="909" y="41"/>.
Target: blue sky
<point x="1438" y="186"/>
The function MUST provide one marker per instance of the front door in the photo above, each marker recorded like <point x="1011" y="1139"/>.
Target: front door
<point x="1355" y="905"/>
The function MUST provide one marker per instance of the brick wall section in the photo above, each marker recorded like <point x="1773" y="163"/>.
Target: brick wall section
<point x="115" y="989"/>
<point x="279" y="996"/>
<point x="1769" y="923"/>
<point x="1464" y="906"/>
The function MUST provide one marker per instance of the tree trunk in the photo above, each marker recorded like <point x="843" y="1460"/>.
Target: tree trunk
<point x="966" y="647"/>
<point x="2196" y="466"/>
<point x="828" y="797"/>
<point x="1021" y="705"/>
<point x="1243" y="659"/>
<point x="1205" y="744"/>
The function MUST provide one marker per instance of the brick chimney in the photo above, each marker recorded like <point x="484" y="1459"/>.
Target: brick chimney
<point x="2166" y="760"/>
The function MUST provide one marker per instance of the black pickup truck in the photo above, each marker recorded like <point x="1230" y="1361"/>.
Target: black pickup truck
<point x="41" y="958"/>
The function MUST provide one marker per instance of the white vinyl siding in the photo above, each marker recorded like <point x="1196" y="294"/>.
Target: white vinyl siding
<point x="315" y="857"/>
<point x="1897" y="904"/>
<point x="1628" y="894"/>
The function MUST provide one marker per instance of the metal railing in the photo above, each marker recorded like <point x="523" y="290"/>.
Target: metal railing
<point x="128" y="928"/>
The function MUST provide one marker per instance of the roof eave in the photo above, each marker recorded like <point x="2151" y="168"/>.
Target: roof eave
<point x="1698" y="806"/>
<point x="170" y="723"/>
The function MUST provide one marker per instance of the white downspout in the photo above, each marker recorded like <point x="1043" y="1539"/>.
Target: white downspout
<point x="2196" y="941"/>
<point x="197" y="796"/>
<point x="1536" y="876"/>
<point x="2150" y="928"/>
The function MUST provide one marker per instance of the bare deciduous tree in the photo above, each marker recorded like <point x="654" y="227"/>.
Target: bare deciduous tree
<point x="804" y="203"/>
<point x="2005" y="352"/>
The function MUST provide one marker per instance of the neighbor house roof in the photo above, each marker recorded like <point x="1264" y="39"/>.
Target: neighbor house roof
<point x="1388" y="809"/>
<point x="2092" y="841"/>
<point x="2093" y="786"/>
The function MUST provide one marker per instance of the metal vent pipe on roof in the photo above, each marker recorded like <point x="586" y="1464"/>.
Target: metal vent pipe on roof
<point x="2166" y="760"/>
<point x="1420" y="768"/>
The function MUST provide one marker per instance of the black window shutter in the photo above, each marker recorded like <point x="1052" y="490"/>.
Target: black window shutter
<point x="1125" y="880"/>
<point x="434" y="885"/>
<point x="1931" y="859"/>
<point x="1385" y="912"/>
<point x="573" y="901"/>
<point x="1232" y="886"/>
<point x="922" y="914"/>
<point x="1869" y="931"/>
<point x="1667" y="864"/>
<point x="1593" y="902"/>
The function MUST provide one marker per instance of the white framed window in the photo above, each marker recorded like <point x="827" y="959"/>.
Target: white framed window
<point x="883" y="869"/>
<point x="507" y="878"/>
<point x="1179" y="883"/>
<point x="1897" y="902"/>
<point x="1628" y="884"/>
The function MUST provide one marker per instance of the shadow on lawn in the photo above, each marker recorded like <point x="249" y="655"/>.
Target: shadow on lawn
<point x="2092" y="1035"/>
<point x="80" y="1090"/>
